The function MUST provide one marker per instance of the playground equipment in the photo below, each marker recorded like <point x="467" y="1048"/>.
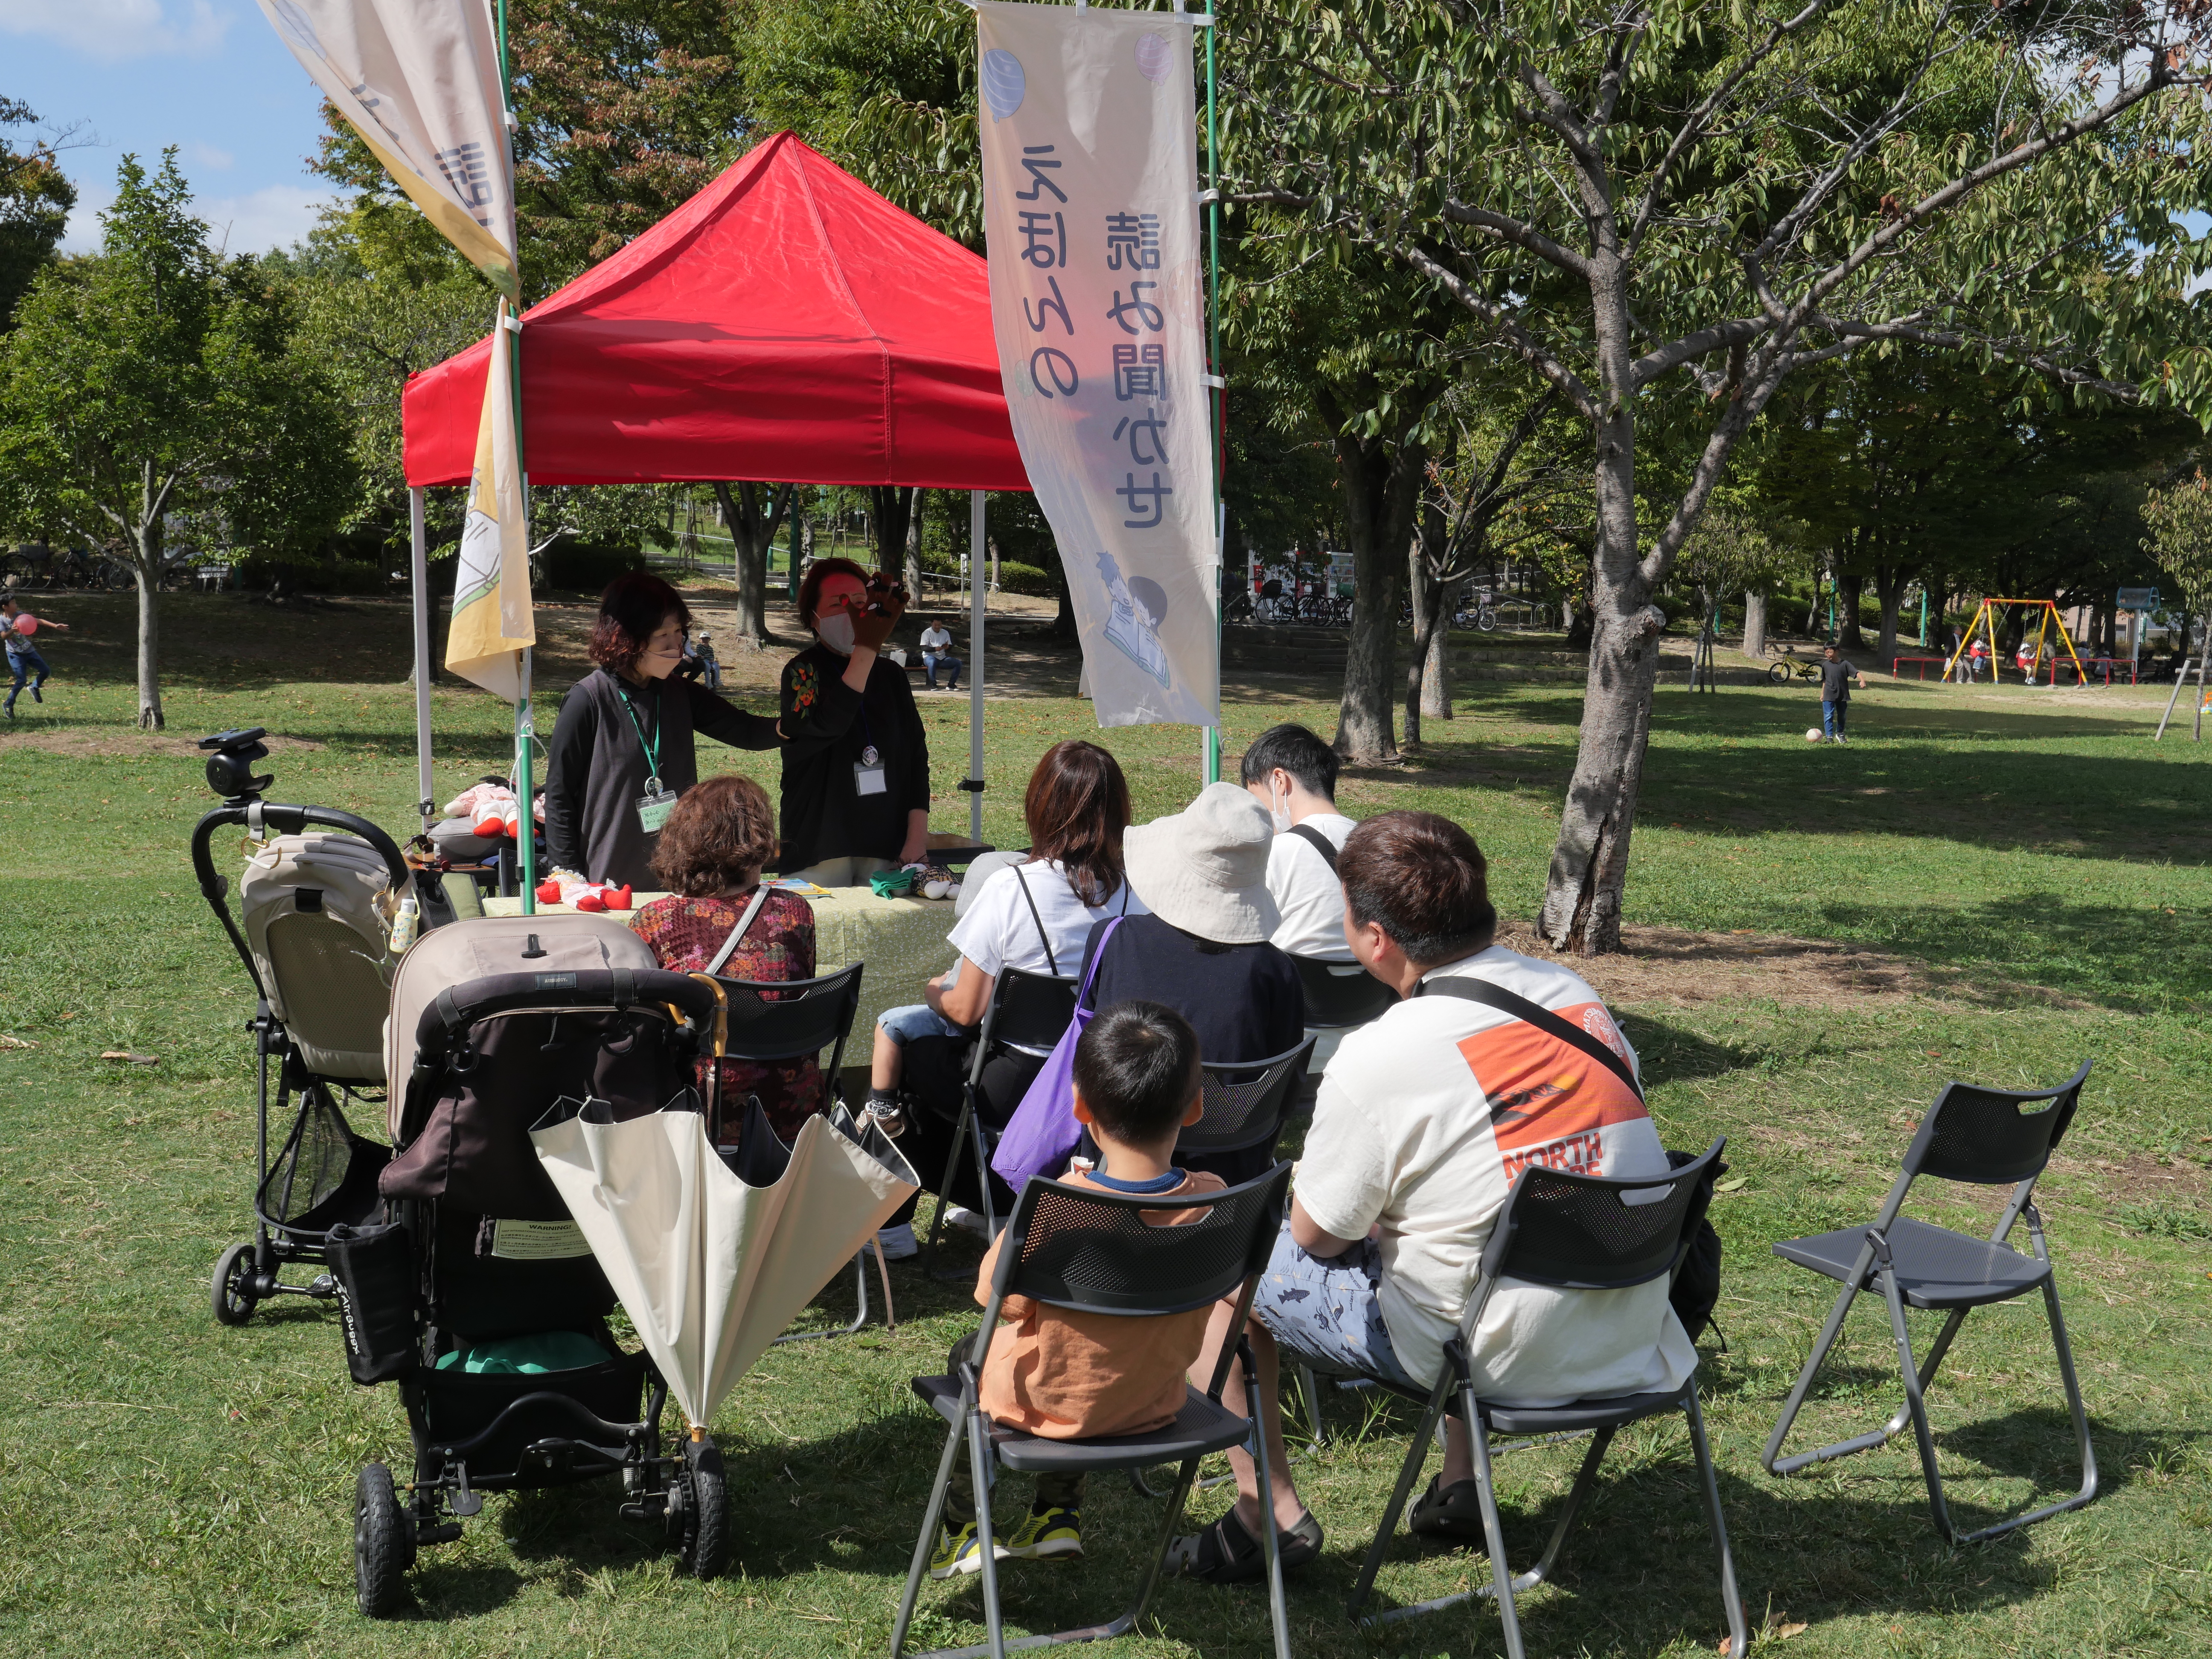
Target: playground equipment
<point x="2047" y="622"/>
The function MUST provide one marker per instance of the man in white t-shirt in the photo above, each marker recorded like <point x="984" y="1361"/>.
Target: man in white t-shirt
<point x="937" y="653"/>
<point x="1292" y="773"/>
<point x="1424" y="1119"/>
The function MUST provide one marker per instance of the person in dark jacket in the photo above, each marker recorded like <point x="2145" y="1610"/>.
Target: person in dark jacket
<point x="855" y="756"/>
<point x="623" y="748"/>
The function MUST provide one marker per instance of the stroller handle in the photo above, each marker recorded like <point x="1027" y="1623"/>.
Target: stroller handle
<point x="459" y="1006"/>
<point x="289" y="821"/>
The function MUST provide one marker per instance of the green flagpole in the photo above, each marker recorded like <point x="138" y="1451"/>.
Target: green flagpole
<point x="525" y="728"/>
<point x="1216" y="403"/>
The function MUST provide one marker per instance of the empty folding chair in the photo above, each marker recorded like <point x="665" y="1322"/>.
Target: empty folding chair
<point x="1971" y="1134"/>
<point x="1575" y="1232"/>
<point x="1093" y="1252"/>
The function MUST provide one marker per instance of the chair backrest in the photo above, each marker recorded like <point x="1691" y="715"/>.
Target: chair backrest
<point x="1340" y="994"/>
<point x="1581" y="1232"/>
<point x="784" y="1019"/>
<point x="1244" y="1102"/>
<point x="1094" y="1251"/>
<point x="1028" y="1011"/>
<point x="1981" y="1135"/>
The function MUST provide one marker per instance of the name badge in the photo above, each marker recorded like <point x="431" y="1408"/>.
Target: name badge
<point x="868" y="780"/>
<point x="653" y="807"/>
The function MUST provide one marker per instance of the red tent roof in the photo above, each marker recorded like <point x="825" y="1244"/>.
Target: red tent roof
<point x="786" y="322"/>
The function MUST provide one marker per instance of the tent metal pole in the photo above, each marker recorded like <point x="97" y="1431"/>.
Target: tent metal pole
<point x="419" y="581"/>
<point x="1216" y="398"/>
<point x="973" y="783"/>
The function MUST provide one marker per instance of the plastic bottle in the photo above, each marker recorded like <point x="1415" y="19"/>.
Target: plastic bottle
<point x="404" y="924"/>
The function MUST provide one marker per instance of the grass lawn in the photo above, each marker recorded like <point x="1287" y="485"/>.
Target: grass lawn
<point x="1988" y="885"/>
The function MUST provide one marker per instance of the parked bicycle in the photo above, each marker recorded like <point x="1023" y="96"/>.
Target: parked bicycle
<point x="33" y="568"/>
<point x="1795" y="668"/>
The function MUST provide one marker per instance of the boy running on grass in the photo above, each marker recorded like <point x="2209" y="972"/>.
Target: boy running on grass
<point x="1068" y="1375"/>
<point x="16" y="626"/>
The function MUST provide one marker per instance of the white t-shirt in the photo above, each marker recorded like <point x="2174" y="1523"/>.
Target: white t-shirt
<point x="1307" y="892"/>
<point x="997" y="932"/>
<point x="1424" y="1117"/>
<point x="936" y="637"/>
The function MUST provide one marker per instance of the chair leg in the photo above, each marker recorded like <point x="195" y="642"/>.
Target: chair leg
<point x="937" y="1215"/>
<point x="1916" y="1406"/>
<point x="1709" y="1485"/>
<point x="2075" y="1408"/>
<point x="1417" y="1456"/>
<point x="860" y="1279"/>
<point x="953" y="1437"/>
<point x="982" y="1173"/>
<point x="1309" y="1387"/>
<point x="1270" y="1544"/>
<point x="1771" y="1459"/>
<point x="979" y="1461"/>
<point x="1493" y="1524"/>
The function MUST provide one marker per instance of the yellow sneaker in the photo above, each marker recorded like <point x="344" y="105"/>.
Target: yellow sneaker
<point x="1048" y="1534"/>
<point x="958" y="1554"/>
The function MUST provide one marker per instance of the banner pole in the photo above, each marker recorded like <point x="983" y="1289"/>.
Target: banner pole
<point x="973" y="783"/>
<point x="419" y="575"/>
<point x="525" y="730"/>
<point x="1218" y="403"/>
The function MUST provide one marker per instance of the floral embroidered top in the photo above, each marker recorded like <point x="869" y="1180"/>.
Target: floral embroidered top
<point x="686" y="933"/>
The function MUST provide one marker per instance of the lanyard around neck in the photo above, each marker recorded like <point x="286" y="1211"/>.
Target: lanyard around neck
<point x="653" y="749"/>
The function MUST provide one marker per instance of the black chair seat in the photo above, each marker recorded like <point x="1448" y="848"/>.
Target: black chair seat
<point x="1577" y="1415"/>
<point x="1935" y="1266"/>
<point x="1200" y="1427"/>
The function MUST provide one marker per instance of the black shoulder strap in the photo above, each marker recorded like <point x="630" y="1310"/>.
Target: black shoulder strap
<point x="1495" y="996"/>
<point x="1051" y="962"/>
<point x="1318" y="842"/>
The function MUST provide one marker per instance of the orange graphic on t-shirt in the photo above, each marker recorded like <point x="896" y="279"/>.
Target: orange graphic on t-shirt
<point x="1548" y="1101"/>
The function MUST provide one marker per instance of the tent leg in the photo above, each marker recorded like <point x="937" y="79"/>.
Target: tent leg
<point x="974" y="780"/>
<point x="419" y="581"/>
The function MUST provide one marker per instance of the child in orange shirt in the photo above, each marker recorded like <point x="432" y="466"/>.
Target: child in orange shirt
<point x="1068" y="1375"/>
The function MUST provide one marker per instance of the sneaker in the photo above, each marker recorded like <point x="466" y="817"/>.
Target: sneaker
<point x="1047" y="1534"/>
<point x="35" y="697"/>
<point x="957" y="1552"/>
<point x="967" y="1221"/>
<point x="897" y="1244"/>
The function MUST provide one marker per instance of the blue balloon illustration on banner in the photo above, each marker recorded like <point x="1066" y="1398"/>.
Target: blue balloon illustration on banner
<point x="1003" y="83"/>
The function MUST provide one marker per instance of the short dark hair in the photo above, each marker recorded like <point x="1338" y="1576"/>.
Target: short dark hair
<point x="1299" y="752"/>
<point x="1136" y="1064"/>
<point x="720" y="833"/>
<point x="1424" y="880"/>
<point x="809" y="585"/>
<point x="630" y="610"/>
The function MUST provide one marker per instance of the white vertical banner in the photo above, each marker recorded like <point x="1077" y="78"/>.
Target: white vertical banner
<point x="493" y="621"/>
<point x="1090" y="138"/>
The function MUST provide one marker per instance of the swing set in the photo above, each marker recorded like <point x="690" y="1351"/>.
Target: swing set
<point x="1986" y="619"/>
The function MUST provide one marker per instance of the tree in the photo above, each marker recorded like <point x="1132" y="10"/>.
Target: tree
<point x="754" y="514"/>
<point x="150" y="381"/>
<point x="1664" y="212"/>
<point x="36" y="199"/>
<point x="2179" y="520"/>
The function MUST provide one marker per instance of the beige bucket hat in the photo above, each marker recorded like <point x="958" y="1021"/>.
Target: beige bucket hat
<point x="1205" y="869"/>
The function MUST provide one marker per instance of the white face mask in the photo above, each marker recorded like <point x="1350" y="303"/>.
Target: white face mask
<point x="836" y="631"/>
<point x="1279" y="810"/>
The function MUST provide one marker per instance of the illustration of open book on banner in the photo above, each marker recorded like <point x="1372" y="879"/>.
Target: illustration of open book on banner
<point x="1140" y="607"/>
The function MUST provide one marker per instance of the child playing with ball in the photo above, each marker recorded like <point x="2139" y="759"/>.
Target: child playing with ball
<point x="17" y="625"/>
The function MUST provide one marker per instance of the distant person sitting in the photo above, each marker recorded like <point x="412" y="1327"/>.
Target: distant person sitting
<point x="1836" y="677"/>
<point x="936" y="653"/>
<point x="1292" y="774"/>
<point x="1063" y="1375"/>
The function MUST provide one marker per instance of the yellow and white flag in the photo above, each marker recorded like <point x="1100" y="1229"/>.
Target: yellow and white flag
<point x="420" y="81"/>
<point x="492" y="617"/>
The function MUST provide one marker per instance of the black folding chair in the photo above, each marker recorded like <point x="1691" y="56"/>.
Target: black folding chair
<point x="768" y="1020"/>
<point x="1339" y="994"/>
<point x="1028" y="1013"/>
<point x="1975" y="1135"/>
<point x="1579" y="1233"/>
<point x="1094" y="1252"/>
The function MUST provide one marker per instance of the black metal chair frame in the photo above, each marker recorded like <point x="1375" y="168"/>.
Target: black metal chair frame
<point x="969" y="1134"/>
<point x="1325" y="981"/>
<point x="1921" y="1266"/>
<point x="1063" y="1266"/>
<point x="1539" y="1240"/>
<point x="796" y="1023"/>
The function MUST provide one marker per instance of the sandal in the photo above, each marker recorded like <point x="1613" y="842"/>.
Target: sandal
<point x="1227" y="1553"/>
<point x="1454" y="1512"/>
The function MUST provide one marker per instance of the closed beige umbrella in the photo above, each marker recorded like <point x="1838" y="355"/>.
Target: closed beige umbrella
<point x="709" y="1268"/>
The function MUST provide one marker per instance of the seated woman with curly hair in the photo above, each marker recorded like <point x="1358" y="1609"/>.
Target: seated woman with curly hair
<point x="710" y="854"/>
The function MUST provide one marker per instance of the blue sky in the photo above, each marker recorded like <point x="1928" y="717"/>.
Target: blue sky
<point x="210" y="76"/>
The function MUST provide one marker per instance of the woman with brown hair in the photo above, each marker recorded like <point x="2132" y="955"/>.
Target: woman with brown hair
<point x="622" y="751"/>
<point x="1035" y="915"/>
<point x="710" y="855"/>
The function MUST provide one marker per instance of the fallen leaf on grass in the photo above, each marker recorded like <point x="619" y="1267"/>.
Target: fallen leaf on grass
<point x="1731" y="1186"/>
<point x="7" y="1041"/>
<point x="1785" y="1632"/>
<point x="136" y="1059"/>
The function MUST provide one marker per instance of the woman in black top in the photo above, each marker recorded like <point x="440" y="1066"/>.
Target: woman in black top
<point x="855" y="758"/>
<point x="623" y="748"/>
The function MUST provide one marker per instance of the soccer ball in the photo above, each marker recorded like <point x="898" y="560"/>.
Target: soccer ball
<point x="1812" y="734"/>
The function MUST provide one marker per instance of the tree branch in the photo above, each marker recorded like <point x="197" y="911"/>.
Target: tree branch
<point x="1520" y="233"/>
<point x="1517" y="338"/>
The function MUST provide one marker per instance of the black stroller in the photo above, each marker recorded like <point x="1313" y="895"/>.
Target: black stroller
<point x="479" y="1259"/>
<point x="313" y="930"/>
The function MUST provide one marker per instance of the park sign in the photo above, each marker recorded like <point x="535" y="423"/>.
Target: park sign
<point x="420" y="81"/>
<point x="2137" y="598"/>
<point x="1090" y="219"/>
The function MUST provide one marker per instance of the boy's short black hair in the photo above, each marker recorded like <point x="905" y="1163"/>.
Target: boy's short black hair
<point x="1136" y="1066"/>
<point x="1299" y="752"/>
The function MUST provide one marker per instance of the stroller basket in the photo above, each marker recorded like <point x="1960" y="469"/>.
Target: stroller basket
<point x="324" y="1177"/>
<point x="492" y="1421"/>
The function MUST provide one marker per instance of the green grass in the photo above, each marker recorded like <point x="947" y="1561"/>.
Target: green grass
<point x="170" y="1487"/>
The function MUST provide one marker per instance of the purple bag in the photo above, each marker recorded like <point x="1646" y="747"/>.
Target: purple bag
<point x="1043" y="1134"/>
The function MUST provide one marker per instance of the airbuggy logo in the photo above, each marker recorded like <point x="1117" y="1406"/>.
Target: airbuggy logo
<point x="1550" y="1104"/>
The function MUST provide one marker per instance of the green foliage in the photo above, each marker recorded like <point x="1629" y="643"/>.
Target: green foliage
<point x="36" y="199"/>
<point x="2179" y="520"/>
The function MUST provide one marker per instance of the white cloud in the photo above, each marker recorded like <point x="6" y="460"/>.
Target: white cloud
<point x="112" y="29"/>
<point x="274" y="217"/>
<point x="207" y="155"/>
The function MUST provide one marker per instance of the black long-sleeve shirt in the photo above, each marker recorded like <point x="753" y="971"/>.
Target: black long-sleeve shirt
<point x="598" y="767"/>
<point x="826" y="723"/>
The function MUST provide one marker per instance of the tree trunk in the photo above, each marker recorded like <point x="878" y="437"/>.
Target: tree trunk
<point x="894" y="511"/>
<point x="1435" y="672"/>
<point x="753" y="519"/>
<point x="1754" y="624"/>
<point x="1426" y="594"/>
<point x="1848" y="635"/>
<point x="1890" y="581"/>
<point x="1382" y="495"/>
<point x="913" y="545"/>
<point x="148" y="550"/>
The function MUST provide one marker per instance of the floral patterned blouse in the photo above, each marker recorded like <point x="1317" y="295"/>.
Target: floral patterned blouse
<point x="686" y="933"/>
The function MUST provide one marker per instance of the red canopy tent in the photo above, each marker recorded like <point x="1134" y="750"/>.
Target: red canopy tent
<point x="786" y="322"/>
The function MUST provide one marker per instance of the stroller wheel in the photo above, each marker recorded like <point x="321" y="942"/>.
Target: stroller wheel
<point x="383" y="1544"/>
<point x="232" y="1293"/>
<point x="706" y="1545"/>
